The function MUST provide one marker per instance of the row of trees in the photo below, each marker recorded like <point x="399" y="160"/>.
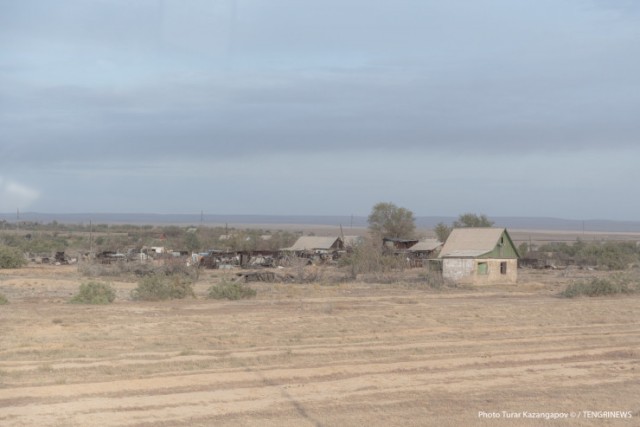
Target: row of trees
<point x="388" y="220"/>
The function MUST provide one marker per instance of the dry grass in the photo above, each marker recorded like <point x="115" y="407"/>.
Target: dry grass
<point x="315" y="354"/>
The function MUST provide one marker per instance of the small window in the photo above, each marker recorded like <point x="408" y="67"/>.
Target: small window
<point x="483" y="268"/>
<point x="503" y="268"/>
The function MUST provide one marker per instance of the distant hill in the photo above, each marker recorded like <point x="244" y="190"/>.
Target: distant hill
<point x="523" y="223"/>
<point x="543" y="223"/>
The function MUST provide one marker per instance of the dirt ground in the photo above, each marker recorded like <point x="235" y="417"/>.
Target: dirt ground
<point x="323" y="354"/>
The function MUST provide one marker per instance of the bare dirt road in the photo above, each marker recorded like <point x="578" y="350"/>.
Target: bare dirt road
<point x="325" y="354"/>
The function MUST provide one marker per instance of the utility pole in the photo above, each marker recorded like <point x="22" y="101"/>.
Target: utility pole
<point x="17" y="221"/>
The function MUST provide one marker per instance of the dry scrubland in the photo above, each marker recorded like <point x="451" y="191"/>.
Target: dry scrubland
<point x="319" y="354"/>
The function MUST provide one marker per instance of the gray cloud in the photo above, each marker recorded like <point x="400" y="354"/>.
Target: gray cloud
<point x="109" y="85"/>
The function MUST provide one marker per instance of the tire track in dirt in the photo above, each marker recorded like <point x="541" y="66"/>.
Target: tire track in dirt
<point x="299" y="362"/>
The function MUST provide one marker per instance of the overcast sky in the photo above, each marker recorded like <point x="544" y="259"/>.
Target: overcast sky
<point x="502" y="107"/>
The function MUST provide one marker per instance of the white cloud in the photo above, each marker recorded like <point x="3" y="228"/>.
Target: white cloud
<point x="14" y="195"/>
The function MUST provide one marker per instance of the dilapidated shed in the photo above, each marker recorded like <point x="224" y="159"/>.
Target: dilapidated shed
<point x="425" y="248"/>
<point x="316" y="244"/>
<point x="480" y="256"/>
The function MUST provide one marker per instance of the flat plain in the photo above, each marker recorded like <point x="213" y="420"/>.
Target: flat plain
<point x="330" y="353"/>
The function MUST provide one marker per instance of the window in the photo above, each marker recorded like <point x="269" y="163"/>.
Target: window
<point x="503" y="267"/>
<point x="483" y="268"/>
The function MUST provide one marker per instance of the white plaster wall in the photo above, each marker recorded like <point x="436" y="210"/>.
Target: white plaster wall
<point x="464" y="270"/>
<point x="458" y="269"/>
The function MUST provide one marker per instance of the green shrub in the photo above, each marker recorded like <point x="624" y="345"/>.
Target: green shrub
<point x="94" y="293"/>
<point x="11" y="257"/>
<point x="3" y="300"/>
<point x="598" y="287"/>
<point x="231" y="291"/>
<point x="161" y="287"/>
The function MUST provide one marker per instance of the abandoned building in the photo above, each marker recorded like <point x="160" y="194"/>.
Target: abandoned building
<point x="316" y="245"/>
<point x="415" y="251"/>
<point x="397" y="245"/>
<point x="479" y="256"/>
<point x="425" y="248"/>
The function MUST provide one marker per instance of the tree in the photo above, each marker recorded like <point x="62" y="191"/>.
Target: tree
<point x="442" y="231"/>
<point x="389" y="220"/>
<point x="523" y="248"/>
<point x="191" y="242"/>
<point x="472" y="220"/>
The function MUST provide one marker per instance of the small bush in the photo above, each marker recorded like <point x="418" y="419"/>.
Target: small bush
<point x="94" y="293"/>
<point x="11" y="257"/>
<point x="231" y="291"/>
<point x="370" y="259"/>
<point x="598" y="287"/>
<point x="3" y="300"/>
<point x="161" y="287"/>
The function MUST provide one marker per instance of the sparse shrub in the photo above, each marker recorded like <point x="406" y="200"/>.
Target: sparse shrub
<point x="11" y="257"/>
<point x="179" y="267"/>
<point x="94" y="293"/>
<point x="95" y="269"/>
<point x="599" y="287"/>
<point x="231" y="291"/>
<point x="3" y="300"/>
<point x="170" y="267"/>
<point x="369" y="258"/>
<point x="162" y="287"/>
<point x="435" y="280"/>
<point x="602" y="255"/>
<point x="302" y="270"/>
